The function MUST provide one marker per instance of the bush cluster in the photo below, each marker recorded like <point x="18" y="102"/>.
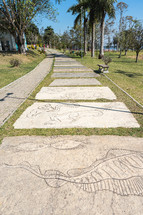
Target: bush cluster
<point x="41" y="51"/>
<point x="15" y="62"/>
<point x="80" y="54"/>
<point x="106" y="60"/>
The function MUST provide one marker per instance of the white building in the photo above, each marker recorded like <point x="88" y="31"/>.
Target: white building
<point x="7" y="42"/>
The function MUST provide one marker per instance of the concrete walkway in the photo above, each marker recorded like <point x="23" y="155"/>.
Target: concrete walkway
<point x="76" y="115"/>
<point x="14" y="94"/>
<point x="71" y="175"/>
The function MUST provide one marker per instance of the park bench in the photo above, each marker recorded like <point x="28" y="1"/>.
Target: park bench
<point x="103" y="68"/>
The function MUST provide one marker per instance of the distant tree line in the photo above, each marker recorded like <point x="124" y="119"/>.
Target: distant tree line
<point x="94" y="23"/>
<point x="91" y="16"/>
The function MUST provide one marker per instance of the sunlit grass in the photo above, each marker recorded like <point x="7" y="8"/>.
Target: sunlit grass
<point x="28" y="62"/>
<point x="123" y="71"/>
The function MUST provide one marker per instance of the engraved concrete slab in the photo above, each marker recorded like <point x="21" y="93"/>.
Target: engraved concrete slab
<point x="57" y="59"/>
<point x="72" y="69"/>
<point x="66" y="175"/>
<point x="74" y="82"/>
<point x="67" y="63"/>
<point x="73" y="65"/>
<point x="76" y="93"/>
<point x="75" y="75"/>
<point x="76" y="115"/>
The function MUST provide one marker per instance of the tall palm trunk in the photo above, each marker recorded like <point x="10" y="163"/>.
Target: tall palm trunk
<point x="93" y="40"/>
<point x="101" y="54"/>
<point x="85" y="34"/>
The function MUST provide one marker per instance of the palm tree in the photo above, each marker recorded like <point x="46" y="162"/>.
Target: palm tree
<point x="98" y="11"/>
<point x="80" y="10"/>
<point x="104" y="7"/>
<point x="92" y="21"/>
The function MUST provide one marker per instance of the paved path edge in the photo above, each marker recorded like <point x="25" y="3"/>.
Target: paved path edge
<point x="28" y="93"/>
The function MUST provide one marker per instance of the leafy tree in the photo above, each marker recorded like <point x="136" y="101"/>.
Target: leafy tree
<point x="15" y="16"/>
<point x="121" y="6"/>
<point x="115" y="41"/>
<point x="48" y="35"/>
<point x="75" y="35"/>
<point x="32" y="33"/>
<point x="56" y="41"/>
<point x="127" y="34"/>
<point x="109" y="31"/>
<point x="65" y="40"/>
<point x="137" y="32"/>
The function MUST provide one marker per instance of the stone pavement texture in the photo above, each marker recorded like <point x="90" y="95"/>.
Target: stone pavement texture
<point x="76" y="115"/>
<point x="72" y="175"/>
<point x="64" y="59"/>
<point x="75" y="75"/>
<point x="14" y="94"/>
<point x="75" y="82"/>
<point x="72" y="69"/>
<point x="66" y="175"/>
<point x="67" y="63"/>
<point x="75" y="93"/>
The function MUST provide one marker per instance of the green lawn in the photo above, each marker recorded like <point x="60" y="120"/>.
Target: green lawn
<point x="123" y="71"/>
<point x="28" y="62"/>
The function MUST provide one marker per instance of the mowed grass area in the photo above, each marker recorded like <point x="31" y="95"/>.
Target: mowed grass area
<point x="9" y="74"/>
<point x="123" y="71"/>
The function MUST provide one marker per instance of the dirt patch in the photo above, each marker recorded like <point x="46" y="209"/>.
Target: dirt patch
<point x="5" y="58"/>
<point x="134" y="57"/>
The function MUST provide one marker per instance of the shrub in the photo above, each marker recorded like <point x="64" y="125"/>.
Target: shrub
<point x="15" y="62"/>
<point x="106" y="60"/>
<point x="32" y="46"/>
<point x="37" y="46"/>
<point x="29" y="46"/>
<point x="71" y="52"/>
<point x="41" y="51"/>
<point x="80" y="54"/>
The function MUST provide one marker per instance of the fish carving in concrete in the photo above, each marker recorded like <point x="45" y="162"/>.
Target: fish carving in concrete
<point x="119" y="171"/>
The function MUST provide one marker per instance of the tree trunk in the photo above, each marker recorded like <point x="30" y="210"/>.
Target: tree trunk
<point x="120" y="52"/>
<point x="85" y="34"/>
<point x="93" y="40"/>
<point x="20" y="43"/>
<point x="101" y="54"/>
<point x="126" y="52"/>
<point x="137" y="55"/>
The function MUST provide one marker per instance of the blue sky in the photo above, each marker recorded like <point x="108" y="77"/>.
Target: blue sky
<point x="65" y="20"/>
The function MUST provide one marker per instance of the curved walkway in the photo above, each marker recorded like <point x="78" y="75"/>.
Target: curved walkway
<point x="14" y="94"/>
